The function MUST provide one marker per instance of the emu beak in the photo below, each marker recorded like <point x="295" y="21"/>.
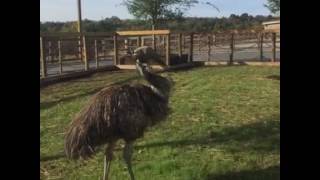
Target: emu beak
<point x="134" y="55"/>
<point x="139" y="67"/>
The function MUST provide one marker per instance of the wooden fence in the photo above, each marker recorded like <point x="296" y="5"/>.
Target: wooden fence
<point x="62" y="53"/>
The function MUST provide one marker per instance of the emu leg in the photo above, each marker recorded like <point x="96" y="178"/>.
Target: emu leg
<point x="127" y="154"/>
<point x="107" y="160"/>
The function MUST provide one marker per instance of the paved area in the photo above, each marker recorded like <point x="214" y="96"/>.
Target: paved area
<point x="73" y="66"/>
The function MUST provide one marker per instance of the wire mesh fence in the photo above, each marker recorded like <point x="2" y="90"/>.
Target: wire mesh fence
<point x="64" y="53"/>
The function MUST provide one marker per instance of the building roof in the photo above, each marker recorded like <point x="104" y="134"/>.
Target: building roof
<point x="271" y="22"/>
<point x="143" y="32"/>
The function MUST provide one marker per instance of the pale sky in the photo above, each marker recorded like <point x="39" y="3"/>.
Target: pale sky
<point x="66" y="10"/>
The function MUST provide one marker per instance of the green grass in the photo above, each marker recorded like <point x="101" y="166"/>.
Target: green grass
<point x="224" y="125"/>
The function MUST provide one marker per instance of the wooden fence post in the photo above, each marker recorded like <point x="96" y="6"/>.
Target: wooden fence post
<point x="163" y="41"/>
<point x="154" y="42"/>
<point x="80" y="51"/>
<point x="214" y="39"/>
<point x="231" y="48"/>
<point x="199" y="45"/>
<point x="183" y="42"/>
<point x="180" y="45"/>
<point x="209" y="47"/>
<point x="115" y="47"/>
<point x="96" y="53"/>
<point x="168" y="50"/>
<point x="261" y="46"/>
<point x="43" y="57"/>
<point x="60" y="56"/>
<point x="213" y="43"/>
<point x="191" y="48"/>
<point x="274" y="39"/>
<point x="153" y="39"/>
<point x="139" y="41"/>
<point x="85" y="53"/>
<point x="50" y="51"/>
<point x="103" y="47"/>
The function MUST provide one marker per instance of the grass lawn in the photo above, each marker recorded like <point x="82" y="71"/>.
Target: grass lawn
<point x="224" y="125"/>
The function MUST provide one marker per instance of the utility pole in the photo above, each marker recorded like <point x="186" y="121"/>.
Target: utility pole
<point x="79" y="17"/>
<point x="80" y="29"/>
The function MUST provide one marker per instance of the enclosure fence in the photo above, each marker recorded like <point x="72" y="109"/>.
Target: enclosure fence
<point x="63" y="53"/>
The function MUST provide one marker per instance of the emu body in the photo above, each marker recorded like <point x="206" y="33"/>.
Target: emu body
<point x="119" y="112"/>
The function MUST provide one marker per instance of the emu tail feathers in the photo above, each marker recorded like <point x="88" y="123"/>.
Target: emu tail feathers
<point x="77" y="145"/>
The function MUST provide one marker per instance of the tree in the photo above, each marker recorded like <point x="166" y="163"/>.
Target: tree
<point x="155" y="10"/>
<point x="273" y="6"/>
<point x="196" y="24"/>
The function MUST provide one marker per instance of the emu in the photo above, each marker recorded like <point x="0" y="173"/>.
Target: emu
<point x="119" y="112"/>
<point x="145" y="53"/>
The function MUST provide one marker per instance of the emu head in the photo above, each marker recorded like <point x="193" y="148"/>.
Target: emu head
<point x="145" y="54"/>
<point x="159" y="84"/>
<point x="142" y="55"/>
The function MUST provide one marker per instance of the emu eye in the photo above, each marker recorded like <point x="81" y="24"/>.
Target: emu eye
<point x="145" y="67"/>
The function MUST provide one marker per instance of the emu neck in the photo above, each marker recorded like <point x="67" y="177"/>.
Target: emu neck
<point x="158" y="84"/>
<point x="157" y="91"/>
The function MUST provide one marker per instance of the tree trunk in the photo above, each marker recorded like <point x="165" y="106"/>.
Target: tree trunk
<point x="153" y="36"/>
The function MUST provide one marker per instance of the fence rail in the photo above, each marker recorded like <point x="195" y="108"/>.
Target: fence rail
<point x="62" y="53"/>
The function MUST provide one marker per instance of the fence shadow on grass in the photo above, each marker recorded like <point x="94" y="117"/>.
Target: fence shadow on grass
<point x="274" y="77"/>
<point x="270" y="173"/>
<point x="263" y="136"/>
<point x="45" y="105"/>
<point x="187" y="68"/>
<point x="53" y="157"/>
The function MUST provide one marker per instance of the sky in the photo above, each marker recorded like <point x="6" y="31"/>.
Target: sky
<point x="66" y="10"/>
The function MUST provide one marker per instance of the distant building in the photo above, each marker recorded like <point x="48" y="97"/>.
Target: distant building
<point x="272" y="25"/>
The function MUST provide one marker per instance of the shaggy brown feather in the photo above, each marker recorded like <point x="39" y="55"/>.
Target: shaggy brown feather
<point x="119" y="112"/>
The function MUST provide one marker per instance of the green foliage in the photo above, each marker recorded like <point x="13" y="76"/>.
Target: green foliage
<point x="155" y="10"/>
<point x="243" y="21"/>
<point x="274" y="6"/>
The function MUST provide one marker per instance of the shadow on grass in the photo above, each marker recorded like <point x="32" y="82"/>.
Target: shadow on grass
<point x="274" y="77"/>
<point x="186" y="68"/>
<point x="53" y="157"/>
<point x="45" y="105"/>
<point x="263" y="136"/>
<point x="270" y="173"/>
<point x="101" y="80"/>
